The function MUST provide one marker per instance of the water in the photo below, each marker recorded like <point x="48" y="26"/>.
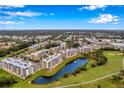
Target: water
<point x="69" y="68"/>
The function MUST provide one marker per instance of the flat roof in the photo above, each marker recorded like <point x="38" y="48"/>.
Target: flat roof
<point x="18" y="62"/>
<point x="50" y="58"/>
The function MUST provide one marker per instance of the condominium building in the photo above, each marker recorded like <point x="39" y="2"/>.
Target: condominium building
<point x="38" y="54"/>
<point x="52" y="61"/>
<point x="85" y="49"/>
<point x="34" y="47"/>
<point x="18" y="66"/>
<point x="54" y="50"/>
<point x="37" y="46"/>
<point x="69" y="53"/>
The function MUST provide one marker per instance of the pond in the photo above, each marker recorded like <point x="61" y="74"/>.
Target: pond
<point x="69" y="68"/>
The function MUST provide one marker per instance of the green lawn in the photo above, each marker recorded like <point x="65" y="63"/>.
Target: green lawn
<point x="104" y="83"/>
<point x="14" y="53"/>
<point x="113" y="65"/>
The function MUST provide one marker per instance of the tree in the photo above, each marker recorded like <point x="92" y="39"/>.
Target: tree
<point x="5" y="81"/>
<point x="66" y="75"/>
<point x="117" y="77"/>
<point x="99" y="86"/>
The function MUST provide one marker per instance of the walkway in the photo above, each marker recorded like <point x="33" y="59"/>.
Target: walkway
<point x="83" y="83"/>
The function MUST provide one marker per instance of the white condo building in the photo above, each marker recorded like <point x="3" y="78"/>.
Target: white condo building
<point x="85" y="49"/>
<point x="52" y="61"/>
<point x="37" y="46"/>
<point x="34" y="47"/>
<point x="38" y="54"/>
<point x="57" y="49"/>
<point x="18" y="66"/>
<point x="69" y="53"/>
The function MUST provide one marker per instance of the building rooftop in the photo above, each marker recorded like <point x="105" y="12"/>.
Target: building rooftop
<point x="50" y="58"/>
<point x="18" y="62"/>
<point x="68" y="50"/>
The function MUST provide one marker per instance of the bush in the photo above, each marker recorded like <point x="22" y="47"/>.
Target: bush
<point x="99" y="86"/>
<point x="74" y="74"/>
<point x="4" y="81"/>
<point x="78" y="70"/>
<point x="93" y="64"/>
<point x="83" y="68"/>
<point x="66" y="75"/>
<point x="117" y="77"/>
<point x="122" y="71"/>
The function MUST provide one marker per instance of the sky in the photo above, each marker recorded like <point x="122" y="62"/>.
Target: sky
<point x="61" y="17"/>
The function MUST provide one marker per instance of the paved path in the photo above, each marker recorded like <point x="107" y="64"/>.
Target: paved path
<point x="83" y="83"/>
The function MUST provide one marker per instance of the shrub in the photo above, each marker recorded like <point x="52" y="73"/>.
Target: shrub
<point x="117" y="77"/>
<point x="66" y="75"/>
<point x="83" y="68"/>
<point x="122" y="71"/>
<point x="4" y="81"/>
<point x="78" y="70"/>
<point x="74" y="74"/>
<point x="99" y="86"/>
<point x="93" y="64"/>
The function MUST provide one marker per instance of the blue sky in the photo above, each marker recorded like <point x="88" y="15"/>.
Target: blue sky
<point x="62" y="17"/>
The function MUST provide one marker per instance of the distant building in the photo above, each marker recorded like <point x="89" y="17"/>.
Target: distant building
<point x="52" y="61"/>
<point x="58" y="49"/>
<point x="118" y="46"/>
<point x="33" y="47"/>
<point x="18" y="66"/>
<point x="37" y="46"/>
<point x="85" y="49"/>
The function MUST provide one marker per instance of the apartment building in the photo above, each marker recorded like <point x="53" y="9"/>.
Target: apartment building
<point x="34" y="47"/>
<point x="69" y="53"/>
<point x="18" y="67"/>
<point x="38" y="54"/>
<point x="52" y="61"/>
<point x="54" y="50"/>
<point x="85" y="49"/>
<point x="37" y="46"/>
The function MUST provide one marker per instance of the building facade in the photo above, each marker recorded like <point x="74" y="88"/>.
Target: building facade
<point x="18" y="66"/>
<point x="69" y="53"/>
<point x="52" y="61"/>
<point x="38" y="54"/>
<point x="85" y="49"/>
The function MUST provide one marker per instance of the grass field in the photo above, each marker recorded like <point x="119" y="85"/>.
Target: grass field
<point x="104" y="83"/>
<point x="113" y="65"/>
<point x="14" y="53"/>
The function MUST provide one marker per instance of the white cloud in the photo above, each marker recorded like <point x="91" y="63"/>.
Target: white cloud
<point x="104" y="18"/>
<point x="10" y="22"/>
<point x="24" y="14"/>
<point x="51" y="14"/>
<point x="115" y="23"/>
<point x="18" y="13"/>
<point x="92" y="7"/>
<point x="11" y="6"/>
